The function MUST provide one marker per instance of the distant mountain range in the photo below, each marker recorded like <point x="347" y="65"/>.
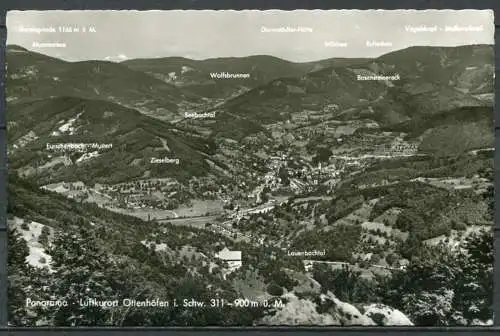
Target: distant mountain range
<point x="51" y="100"/>
<point x="34" y="76"/>
<point x="430" y="79"/>
<point x="195" y="75"/>
<point x="169" y="86"/>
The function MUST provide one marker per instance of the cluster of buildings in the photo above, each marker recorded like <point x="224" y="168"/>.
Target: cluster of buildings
<point x="231" y="258"/>
<point x="397" y="147"/>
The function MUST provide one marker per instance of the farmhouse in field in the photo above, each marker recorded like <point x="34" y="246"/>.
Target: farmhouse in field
<point x="233" y="258"/>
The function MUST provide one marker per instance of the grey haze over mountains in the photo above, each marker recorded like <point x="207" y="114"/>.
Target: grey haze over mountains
<point x="210" y="34"/>
<point x="167" y="46"/>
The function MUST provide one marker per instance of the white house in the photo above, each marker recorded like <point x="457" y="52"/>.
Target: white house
<point x="308" y="265"/>
<point x="233" y="258"/>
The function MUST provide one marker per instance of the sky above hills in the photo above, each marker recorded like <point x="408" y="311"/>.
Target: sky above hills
<point x="121" y="35"/>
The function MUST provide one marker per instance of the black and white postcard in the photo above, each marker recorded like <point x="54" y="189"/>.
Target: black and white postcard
<point x="250" y="168"/>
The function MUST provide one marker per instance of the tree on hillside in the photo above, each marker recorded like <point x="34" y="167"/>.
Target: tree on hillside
<point x="346" y="283"/>
<point x="283" y="175"/>
<point x="18" y="279"/>
<point x="43" y="239"/>
<point x="441" y="287"/>
<point x="474" y="288"/>
<point x="80" y="273"/>
<point x="423" y="291"/>
<point x="322" y="155"/>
